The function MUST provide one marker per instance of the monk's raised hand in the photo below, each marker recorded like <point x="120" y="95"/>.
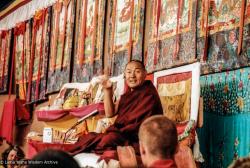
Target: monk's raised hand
<point x="105" y="82"/>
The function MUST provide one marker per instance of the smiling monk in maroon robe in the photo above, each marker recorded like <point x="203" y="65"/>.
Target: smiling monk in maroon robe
<point x="138" y="103"/>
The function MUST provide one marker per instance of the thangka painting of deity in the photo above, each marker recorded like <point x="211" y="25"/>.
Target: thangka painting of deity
<point x="89" y="39"/>
<point x="22" y="53"/>
<point x="125" y="33"/>
<point x="39" y="54"/>
<point x="5" y="37"/>
<point x="223" y="34"/>
<point x="179" y="92"/>
<point x="63" y="17"/>
<point x="171" y="34"/>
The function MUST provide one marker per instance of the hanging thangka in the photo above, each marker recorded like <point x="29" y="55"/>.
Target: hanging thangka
<point x="21" y="49"/>
<point x="89" y="39"/>
<point x="125" y="33"/>
<point x="5" y="37"/>
<point x="178" y="89"/>
<point x="179" y="92"/>
<point x="172" y="33"/>
<point x="223" y="34"/>
<point x="226" y="129"/>
<point x="39" y="55"/>
<point x="63" y="14"/>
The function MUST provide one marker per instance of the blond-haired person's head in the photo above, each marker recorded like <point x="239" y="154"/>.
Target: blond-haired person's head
<point x="158" y="139"/>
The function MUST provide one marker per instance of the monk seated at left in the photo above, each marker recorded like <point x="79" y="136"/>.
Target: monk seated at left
<point x="139" y="102"/>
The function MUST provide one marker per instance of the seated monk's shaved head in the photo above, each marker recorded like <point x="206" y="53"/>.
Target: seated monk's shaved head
<point x="137" y="61"/>
<point x="135" y="74"/>
<point x="158" y="135"/>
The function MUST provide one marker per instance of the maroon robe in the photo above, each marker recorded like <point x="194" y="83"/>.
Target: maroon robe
<point x="166" y="163"/>
<point x="134" y="107"/>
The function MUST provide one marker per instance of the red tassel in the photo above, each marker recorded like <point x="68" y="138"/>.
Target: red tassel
<point x="156" y="52"/>
<point x="92" y="58"/>
<point x="242" y="18"/>
<point x="130" y="49"/>
<point x="206" y="31"/>
<point x="42" y="20"/>
<point x="83" y="34"/>
<point x="65" y="4"/>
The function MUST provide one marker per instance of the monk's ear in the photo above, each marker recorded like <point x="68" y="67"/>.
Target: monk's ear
<point x="142" y="149"/>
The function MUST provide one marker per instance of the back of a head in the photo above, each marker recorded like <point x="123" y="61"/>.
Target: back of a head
<point x="54" y="159"/>
<point x="159" y="135"/>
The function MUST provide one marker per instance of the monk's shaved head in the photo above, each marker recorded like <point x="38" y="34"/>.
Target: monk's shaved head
<point x="137" y="61"/>
<point x="159" y="135"/>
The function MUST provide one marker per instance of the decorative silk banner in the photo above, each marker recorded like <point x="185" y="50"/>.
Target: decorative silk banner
<point x="39" y="53"/>
<point x="5" y="38"/>
<point x="89" y="39"/>
<point x="63" y="17"/>
<point x="171" y="34"/>
<point x="179" y="91"/>
<point x="228" y="35"/>
<point x="226" y="128"/>
<point x="125" y="33"/>
<point x="180" y="86"/>
<point x="22" y="54"/>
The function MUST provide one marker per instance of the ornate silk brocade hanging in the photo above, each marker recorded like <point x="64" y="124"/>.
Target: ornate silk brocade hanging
<point x="63" y="14"/>
<point x="39" y="54"/>
<point x="175" y="95"/>
<point x="172" y="34"/>
<point x="227" y="110"/>
<point x="22" y="54"/>
<point x="5" y="38"/>
<point x="125" y="33"/>
<point x="223" y="35"/>
<point x="89" y="39"/>
<point x="179" y="92"/>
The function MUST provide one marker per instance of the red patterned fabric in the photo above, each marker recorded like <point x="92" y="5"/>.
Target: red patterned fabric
<point x="50" y="115"/>
<point x="173" y="78"/>
<point x="189" y="141"/>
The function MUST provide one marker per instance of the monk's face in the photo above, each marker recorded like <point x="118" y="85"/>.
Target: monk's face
<point x="134" y="74"/>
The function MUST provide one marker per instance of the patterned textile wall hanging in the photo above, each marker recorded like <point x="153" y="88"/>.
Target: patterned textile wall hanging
<point x="89" y="39"/>
<point x="172" y="34"/>
<point x="125" y="33"/>
<point x="63" y="14"/>
<point x="22" y="51"/>
<point x="39" y="54"/>
<point x="179" y="92"/>
<point x="225" y="135"/>
<point x="5" y="38"/>
<point x="223" y="34"/>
